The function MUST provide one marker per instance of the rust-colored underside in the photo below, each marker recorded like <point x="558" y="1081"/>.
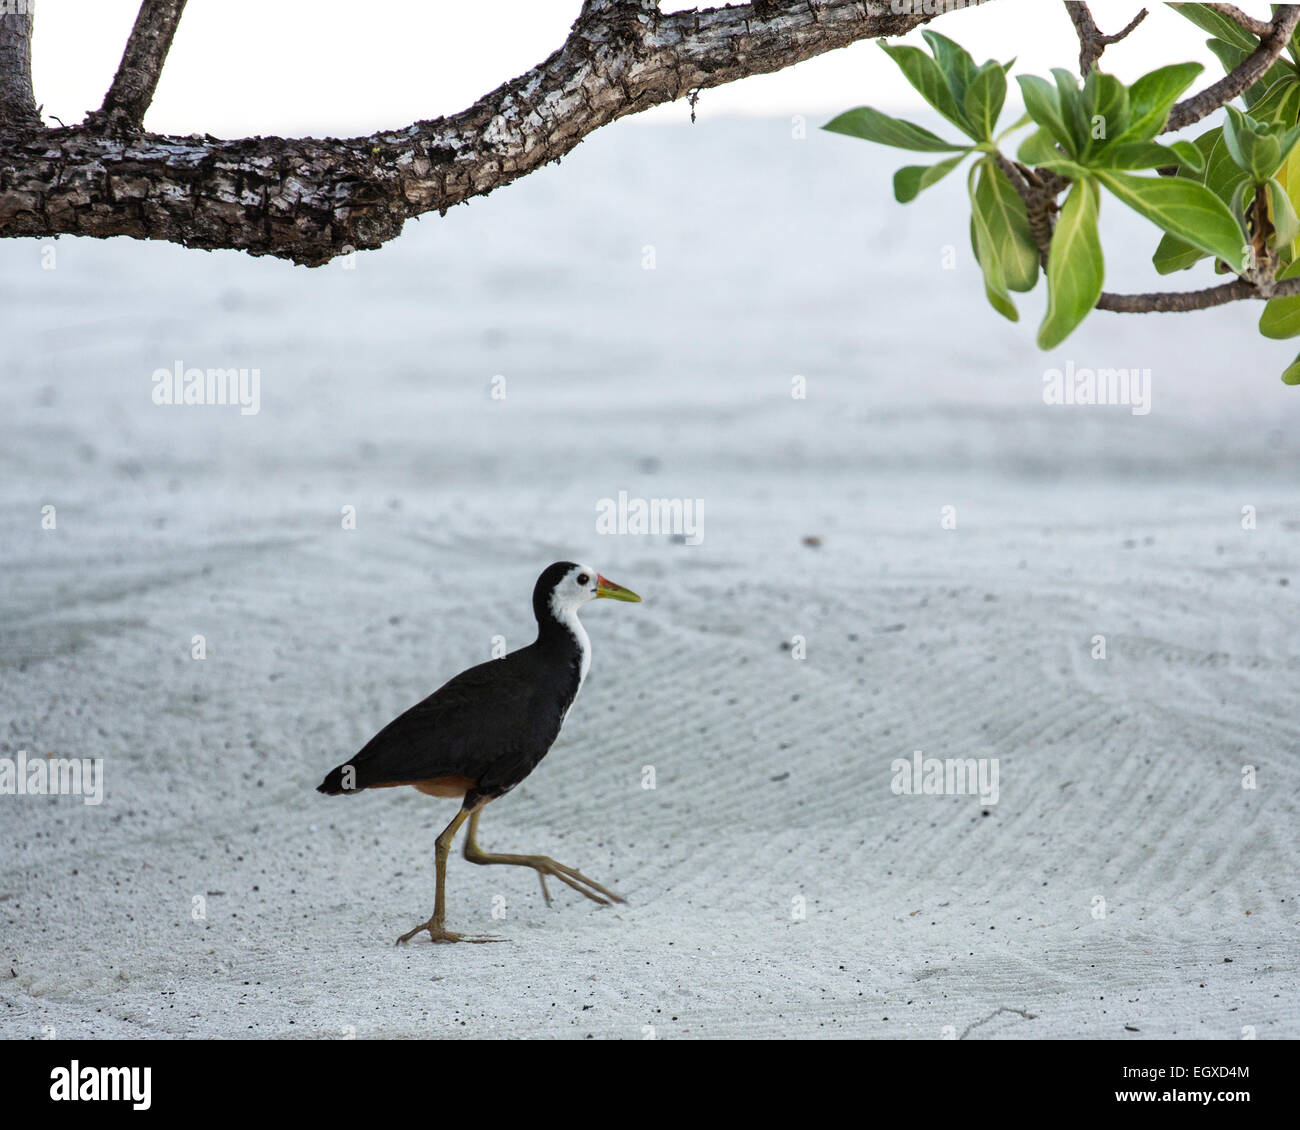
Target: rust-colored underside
<point x="433" y="786"/>
<point x="445" y="786"/>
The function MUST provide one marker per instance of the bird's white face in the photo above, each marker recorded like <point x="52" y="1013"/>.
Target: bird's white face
<point x="581" y="584"/>
<point x="576" y="587"/>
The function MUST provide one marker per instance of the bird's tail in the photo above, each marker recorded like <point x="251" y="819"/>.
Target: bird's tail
<point x="333" y="784"/>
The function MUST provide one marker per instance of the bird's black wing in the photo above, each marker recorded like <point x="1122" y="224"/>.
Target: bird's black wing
<point x="481" y="717"/>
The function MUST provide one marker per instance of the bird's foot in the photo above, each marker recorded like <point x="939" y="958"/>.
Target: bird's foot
<point x="439" y="933"/>
<point x="544" y="865"/>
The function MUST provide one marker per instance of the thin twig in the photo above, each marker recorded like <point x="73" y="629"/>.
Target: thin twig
<point x="1091" y="40"/>
<point x="142" y="63"/>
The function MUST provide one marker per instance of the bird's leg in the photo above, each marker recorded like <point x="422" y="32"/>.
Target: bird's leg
<point x="438" y="932"/>
<point x="542" y="864"/>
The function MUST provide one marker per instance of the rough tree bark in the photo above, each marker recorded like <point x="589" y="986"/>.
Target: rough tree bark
<point x="142" y="63"/>
<point x="309" y="200"/>
<point x="17" y="103"/>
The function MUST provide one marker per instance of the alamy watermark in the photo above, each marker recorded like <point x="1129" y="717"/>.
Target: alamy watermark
<point x="948" y="776"/>
<point x="683" y="517"/>
<point x="53" y="776"/>
<point x="928" y="7"/>
<point x="76" y="1083"/>
<point x="179" y="385"/>
<point x="1073" y="385"/>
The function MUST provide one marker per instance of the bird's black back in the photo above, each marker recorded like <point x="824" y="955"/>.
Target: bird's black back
<point x="491" y="724"/>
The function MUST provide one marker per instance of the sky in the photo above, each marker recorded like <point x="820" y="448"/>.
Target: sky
<point x="241" y="67"/>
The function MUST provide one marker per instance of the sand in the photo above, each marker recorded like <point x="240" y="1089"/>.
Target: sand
<point x="1125" y="885"/>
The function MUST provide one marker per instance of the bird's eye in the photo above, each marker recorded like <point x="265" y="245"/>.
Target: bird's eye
<point x="583" y="578"/>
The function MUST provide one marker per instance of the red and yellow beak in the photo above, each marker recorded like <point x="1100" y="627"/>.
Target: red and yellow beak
<point x="608" y="589"/>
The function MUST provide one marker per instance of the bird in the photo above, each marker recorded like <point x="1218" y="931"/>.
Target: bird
<point x="485" y="730"/>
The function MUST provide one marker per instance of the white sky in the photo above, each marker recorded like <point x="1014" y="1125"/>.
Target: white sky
<point x="345" y="67"/>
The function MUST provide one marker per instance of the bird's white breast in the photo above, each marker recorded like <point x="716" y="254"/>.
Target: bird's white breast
<point x="567" y="614"/>
<point x="571" y="621"/>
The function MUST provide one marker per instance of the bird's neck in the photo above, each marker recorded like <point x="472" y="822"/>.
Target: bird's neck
<point x="562" y="632"/>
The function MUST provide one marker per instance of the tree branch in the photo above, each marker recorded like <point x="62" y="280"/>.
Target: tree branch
<point x="17" y="102"/>
<point x="137" y="76"/>
<point x="1237" y="81"/>
<point x="309" y="200"/>
<point x="1183" y="302"/>
<point x="1091" y="41"/>
<point x="1260" y="28"/>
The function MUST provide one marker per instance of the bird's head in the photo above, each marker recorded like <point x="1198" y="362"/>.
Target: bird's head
<point x="565" y="587"/>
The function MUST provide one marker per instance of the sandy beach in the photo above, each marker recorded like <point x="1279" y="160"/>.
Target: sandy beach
<point x="918" y="554"/>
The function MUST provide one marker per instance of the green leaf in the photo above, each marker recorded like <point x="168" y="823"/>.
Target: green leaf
<point x="1043" y="103"/>
<point x="1286" y="140"/>
<point x="1289" y="177"/>
<point x="1222" y="173"/>
<point x="1147" y="155"/>
<point x="1183" y="208"/>
<point x="1286" y="225"/>
<point x="1237" y="205"/>
<point x="1072" y="109"/>
<point x="1207" y="19"/>
<point x="1291" y="374"/>
<point x="995" y="285"/>
<point x="984" y="98"/>
<point x="1063" y="166"/>
<point x="991" y="246"/>
<point x="1278" y="72"/>
<point x="995" y="291"/>
<point x="1280" y="103"/>
<point x="1252" y="145"/>
<point x="1075" y="267"/>
<point x="910" y="181"/>
<point x="1281" y="316"/>
<point x="1207" y="141"/>
<point x="1230" y="56"/>
<point x="954" y="61"/>
<point x="1105" y="108"/>
<point x="872" y="125"/>
<point x="1173" y="254"/>
<point x="1152" y="96"/>
<point x="1182" y="155"/>
<point x="1191" y="159"/>
<point x="924" y="74"/>
<point x="1004" y="217"/>
<point x="1038" y="147"/>
<point x="1221" y="177"/>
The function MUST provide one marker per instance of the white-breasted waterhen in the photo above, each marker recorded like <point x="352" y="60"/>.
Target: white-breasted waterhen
<point x="480" y="734"/>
